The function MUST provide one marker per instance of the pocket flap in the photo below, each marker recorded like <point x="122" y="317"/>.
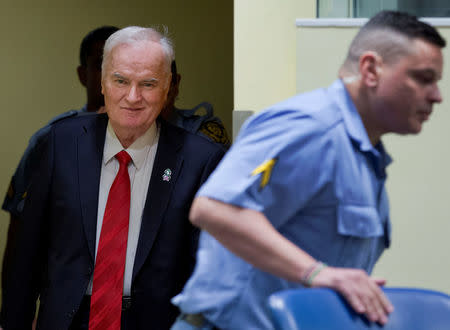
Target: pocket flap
<point x="358" y="220"/>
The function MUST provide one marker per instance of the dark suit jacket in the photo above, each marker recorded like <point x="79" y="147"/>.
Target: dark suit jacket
<point x="56" y="241"/>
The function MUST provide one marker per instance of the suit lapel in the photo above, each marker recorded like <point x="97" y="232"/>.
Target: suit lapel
<point x="90" y="154"/>
<point x="159" y="191"/>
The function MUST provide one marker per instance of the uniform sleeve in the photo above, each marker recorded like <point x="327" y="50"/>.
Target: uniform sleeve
<point x="20" y="181"/>
<point x="23" y="275"/>
<point x="280" y="160"/>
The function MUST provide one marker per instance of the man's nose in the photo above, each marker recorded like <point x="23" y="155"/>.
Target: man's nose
<point x="134" y="94"/>
<point x="435" y="95"/>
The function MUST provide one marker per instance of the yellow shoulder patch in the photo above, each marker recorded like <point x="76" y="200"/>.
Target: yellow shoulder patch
<point x="266" y="170"/>
<point x="216" y="132"/>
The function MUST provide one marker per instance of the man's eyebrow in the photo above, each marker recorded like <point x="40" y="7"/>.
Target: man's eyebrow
<point x="427" y="71"/>
<point x="118" y="75"/>
<point x="150" y="80"/>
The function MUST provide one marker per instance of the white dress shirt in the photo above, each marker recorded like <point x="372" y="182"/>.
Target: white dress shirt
<point x="142" y="153"/>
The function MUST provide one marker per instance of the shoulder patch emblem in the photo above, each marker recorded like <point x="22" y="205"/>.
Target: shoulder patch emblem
<point x="266" y="170"/>
<point x="215" y="131"/>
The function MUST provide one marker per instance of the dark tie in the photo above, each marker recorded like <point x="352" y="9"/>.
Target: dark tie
<point x="107" y="288"/>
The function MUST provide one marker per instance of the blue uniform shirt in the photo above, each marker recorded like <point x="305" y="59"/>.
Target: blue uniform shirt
<point x="15" y="197"/>
<point x="307" y="164"/>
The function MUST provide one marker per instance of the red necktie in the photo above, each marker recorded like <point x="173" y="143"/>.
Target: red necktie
<point x="107" y="288"/>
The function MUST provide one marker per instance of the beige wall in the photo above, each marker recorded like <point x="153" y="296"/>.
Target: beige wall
<point x="40" y="42"/>
<point x="264" y="50"/>
<point x="418" y="179"/>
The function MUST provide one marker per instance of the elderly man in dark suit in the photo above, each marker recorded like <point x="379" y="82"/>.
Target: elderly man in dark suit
<point x="107" y="241"/>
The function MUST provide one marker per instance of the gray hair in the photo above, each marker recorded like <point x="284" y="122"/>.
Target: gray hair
<point x="136" y="34"/>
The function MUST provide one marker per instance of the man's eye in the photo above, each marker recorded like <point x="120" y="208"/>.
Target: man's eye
<point x="424" y="79"/>
<point x="149" y="84"/>
<point x="120" y="81"/>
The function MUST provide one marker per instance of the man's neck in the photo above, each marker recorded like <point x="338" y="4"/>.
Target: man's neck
<point x="127" y="137"/>
<point x="360" y="100"/>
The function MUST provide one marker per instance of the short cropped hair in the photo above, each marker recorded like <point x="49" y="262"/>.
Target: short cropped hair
<point x="134" y="34"/>
<point x="99" y="34"/>
<point x="389" y="34"/>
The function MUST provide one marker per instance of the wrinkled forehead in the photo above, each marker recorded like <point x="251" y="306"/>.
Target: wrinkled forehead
<point x="138" y="53"/>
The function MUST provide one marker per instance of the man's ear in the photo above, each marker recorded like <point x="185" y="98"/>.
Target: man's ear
<point x="370" y="68"/>
<point x="82" y="74"/>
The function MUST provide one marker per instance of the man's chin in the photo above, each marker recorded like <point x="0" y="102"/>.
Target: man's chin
<point x="411" y="129"/>
<point x="416" y="129"/>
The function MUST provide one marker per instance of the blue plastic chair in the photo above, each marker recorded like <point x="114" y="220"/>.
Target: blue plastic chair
<point x="324" y="309"/>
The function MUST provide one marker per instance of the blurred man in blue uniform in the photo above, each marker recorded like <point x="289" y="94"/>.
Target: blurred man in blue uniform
<point x="300" y="198"/>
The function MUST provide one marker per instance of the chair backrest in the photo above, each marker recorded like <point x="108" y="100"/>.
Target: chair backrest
<point x="324" y="309"/>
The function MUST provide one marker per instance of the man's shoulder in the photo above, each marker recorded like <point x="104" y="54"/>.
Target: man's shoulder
<point x="62" y="116"/>
<point x="202" y="121"/>
<point x="312" y="118"/>
<point x="79" y="120"/>
<point x="41" y="133"/>
<point x="20" y="181"/>
<point x="215" y="131"/>
<point x="318" y="104"/>
<point x="304" y="114"/>
<point x="190" y="141"/>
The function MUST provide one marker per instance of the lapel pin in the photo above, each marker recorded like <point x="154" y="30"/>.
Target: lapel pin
<point x="167" y="174"/>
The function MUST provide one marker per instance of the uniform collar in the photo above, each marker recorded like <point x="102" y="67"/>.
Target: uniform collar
<point x="352" y="119"/>
<point x="355" y="127"/>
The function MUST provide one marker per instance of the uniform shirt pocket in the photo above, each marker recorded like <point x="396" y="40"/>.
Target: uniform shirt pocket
<point x="359" y="221"/>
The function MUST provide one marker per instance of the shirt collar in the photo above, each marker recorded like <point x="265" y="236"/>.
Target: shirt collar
<point x="138" y="150"/>
<point x="354" y="125"/>
<point x="352" y="119"/>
